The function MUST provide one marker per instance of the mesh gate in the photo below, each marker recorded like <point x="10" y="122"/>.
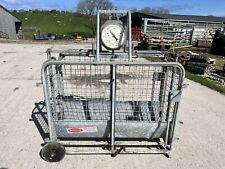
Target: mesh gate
<point x="112" y="101"/>
<point x="82" y="92"/>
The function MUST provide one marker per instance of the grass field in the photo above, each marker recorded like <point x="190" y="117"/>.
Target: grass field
<point x="54" y="22"/>
<point x="205" y="82"/>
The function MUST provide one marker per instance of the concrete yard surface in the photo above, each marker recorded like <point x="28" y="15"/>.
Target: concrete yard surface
<point x="199" y="136"/>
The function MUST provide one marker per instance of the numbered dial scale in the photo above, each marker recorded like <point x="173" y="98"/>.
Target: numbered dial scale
<point x="113" y="35"/>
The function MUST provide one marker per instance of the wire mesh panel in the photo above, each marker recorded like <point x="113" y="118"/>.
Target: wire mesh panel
<point x="82" y="92"/>
<point x="147" y="89"/>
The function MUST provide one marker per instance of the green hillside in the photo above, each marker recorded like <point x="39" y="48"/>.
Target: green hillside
<point x="54" y="22"/>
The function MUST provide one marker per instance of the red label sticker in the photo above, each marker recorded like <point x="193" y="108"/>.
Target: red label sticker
<point x="91" y="129"/>
<point x="74" y="130"/>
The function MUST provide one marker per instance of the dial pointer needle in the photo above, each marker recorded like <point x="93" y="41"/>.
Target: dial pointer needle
<point x="113" y="35"/>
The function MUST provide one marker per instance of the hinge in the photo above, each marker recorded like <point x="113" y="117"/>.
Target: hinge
<point x="176" y="94"/>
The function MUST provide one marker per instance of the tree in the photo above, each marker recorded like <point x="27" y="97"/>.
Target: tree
<point x="133" y="10"/>
<point x="90" y="7"/>
<point x="148" y="10"/>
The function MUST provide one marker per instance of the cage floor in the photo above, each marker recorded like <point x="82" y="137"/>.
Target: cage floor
<point x="99" y="109"/>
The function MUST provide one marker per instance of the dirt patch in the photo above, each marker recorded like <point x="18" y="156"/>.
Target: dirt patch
<point x="8" y="52"/>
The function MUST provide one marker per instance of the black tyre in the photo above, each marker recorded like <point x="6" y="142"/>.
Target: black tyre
<point x="53" y="152"/>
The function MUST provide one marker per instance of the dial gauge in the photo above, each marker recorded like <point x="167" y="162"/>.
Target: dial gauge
<point x="113" y="35"/>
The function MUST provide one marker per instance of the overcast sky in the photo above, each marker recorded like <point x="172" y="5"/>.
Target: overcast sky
<point x="195" y="7"/>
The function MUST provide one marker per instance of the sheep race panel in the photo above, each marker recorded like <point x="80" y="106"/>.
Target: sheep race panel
<point x="80" y="98"/>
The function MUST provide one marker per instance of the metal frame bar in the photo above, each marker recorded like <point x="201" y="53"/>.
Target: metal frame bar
<point x="113" y="11"/>
<point x="129" y="37"/>
<point x="49" y="53"/>
<point x="113" y="101"/>
<point x="168" y="108"/>
<point x="98" y="39"/>
<point x="174" y="64"/>
<point x="180" y="86"/>
<point x="52" y="133"/>
<point x="105" y="152"/>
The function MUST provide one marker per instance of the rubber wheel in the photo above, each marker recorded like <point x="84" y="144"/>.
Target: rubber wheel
<point x="53" y="152"/>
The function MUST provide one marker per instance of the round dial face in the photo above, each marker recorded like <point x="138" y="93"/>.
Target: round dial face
<point x="113" y="35"/>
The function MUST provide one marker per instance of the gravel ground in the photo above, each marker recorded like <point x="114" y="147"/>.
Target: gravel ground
<point x="200" y="132"/>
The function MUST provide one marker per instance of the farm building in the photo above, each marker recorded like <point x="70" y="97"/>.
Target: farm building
<point x="183" y="28"/>
<point x="10" y="26"/>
